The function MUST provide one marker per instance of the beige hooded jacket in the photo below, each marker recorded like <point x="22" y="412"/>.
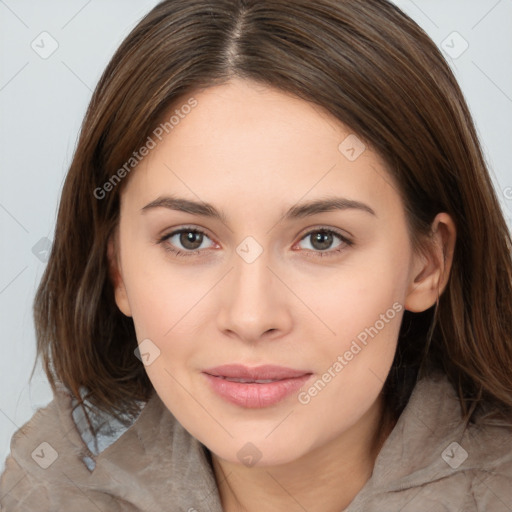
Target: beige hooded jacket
<point x="429" y="463"/>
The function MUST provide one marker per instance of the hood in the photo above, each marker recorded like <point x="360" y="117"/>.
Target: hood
<point x="155" y="464"/>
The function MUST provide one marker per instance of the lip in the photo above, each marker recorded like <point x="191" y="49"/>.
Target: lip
<point x="266" y="371"/>
<point x="254" y="395"/>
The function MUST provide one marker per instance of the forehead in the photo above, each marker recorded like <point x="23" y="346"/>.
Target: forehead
<point x="251" y="147"/>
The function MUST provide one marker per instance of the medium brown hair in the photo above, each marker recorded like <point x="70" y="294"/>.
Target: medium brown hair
<point x="374" y="69"/>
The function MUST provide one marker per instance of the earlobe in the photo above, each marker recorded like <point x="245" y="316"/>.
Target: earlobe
<point x="431" y="272"/>
<point x="116" y="278"/>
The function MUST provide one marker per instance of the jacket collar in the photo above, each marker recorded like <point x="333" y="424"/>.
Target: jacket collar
<point x="419" y="448"/>
<point x="430" y="441"/>
<point x="156" y="462"/>
<point x="431" y="418"/>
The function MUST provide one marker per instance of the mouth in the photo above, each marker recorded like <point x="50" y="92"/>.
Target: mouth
<point x="262" y="373"/>
<point x="245" y="381"/>
<point x="255" y="387"/>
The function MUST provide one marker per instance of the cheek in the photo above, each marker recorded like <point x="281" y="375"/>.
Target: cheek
<point x="168" y="302"/>
<point x="161" y="293"/>
<point x="164" y="303"/>
<point x="364" y="309"/>
<point x="363" y="299"/>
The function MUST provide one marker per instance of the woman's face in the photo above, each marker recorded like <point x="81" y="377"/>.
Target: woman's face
<point x="269" y="279"/>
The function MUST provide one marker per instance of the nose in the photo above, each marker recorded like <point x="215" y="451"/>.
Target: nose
<point x="254" y="303"/>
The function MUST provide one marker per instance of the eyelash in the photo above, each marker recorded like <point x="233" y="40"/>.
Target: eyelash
<point x="319" y="254"/>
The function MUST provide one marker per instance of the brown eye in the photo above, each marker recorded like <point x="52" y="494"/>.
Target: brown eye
<point x="321" y="242"/>
<point x="191" y="239"/>
<point x="185" y="241"/>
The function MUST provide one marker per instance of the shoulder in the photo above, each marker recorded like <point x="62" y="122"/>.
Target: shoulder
<point x="46" y="456"/>
<point x="49" y="424"/>
<point x="152" y="463"/>
<point x="432" y="460"/>
<point x="476" y="457"/>
<point x="488" y="464"/>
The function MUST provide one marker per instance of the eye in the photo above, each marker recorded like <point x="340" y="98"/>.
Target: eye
<point x="323" y="238"/>
<point x="189" y="238"/>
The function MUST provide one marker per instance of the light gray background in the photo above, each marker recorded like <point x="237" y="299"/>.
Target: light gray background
<point x="43" y="101"/>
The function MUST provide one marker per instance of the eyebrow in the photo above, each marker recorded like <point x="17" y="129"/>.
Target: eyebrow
<point x="295" y="212"/>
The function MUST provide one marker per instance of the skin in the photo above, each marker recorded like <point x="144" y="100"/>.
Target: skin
<point x="253" y="152"/>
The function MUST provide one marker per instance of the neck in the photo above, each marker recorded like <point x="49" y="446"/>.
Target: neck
<point x="326" y="479"/>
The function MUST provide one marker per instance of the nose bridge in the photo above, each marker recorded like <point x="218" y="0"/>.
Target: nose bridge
<point x="253" y="303"/>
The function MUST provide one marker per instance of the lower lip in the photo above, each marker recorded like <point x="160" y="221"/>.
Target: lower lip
<point x="254" y="395"/>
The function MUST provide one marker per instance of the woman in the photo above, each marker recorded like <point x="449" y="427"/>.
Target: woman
<point x="281" y="279"/>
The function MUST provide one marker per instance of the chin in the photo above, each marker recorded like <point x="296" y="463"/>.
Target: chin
<point x="261" y="449"/>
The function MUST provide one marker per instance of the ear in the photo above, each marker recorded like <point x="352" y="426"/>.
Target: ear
<point x="116" y="276"/>
<point x="430" y="273"/>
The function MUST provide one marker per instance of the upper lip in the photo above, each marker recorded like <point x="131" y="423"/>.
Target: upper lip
<point x="263" y="372"/>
